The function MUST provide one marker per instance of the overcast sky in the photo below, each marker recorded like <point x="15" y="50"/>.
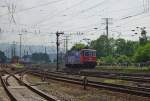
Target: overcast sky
<point x="38" y="20"/>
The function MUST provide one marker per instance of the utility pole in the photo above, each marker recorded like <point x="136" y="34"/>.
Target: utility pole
<point x="13" y="49"/>
<point x="24" y="52"/>
<point x="27" y="52"/>
<point x="45" y="50"/>
<point x="107" y="23"/>
<point x="64" y="46"/>
<point x="66" y="43"/>
<point x="20" y="43"/>
<point x="107" y="27"/>
<point x="7" y="52"/>
<point x="57" y="43"/>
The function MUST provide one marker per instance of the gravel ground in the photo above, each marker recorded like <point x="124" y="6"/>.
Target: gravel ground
<point x="72" y="92"/>
<point x="3" y="96"/>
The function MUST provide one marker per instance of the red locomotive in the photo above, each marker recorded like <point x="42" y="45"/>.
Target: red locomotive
<point x="84" y="58"/>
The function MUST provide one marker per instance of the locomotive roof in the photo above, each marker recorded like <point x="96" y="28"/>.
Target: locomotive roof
<point x="89" y="49"/>
<point x="81" y="50"/>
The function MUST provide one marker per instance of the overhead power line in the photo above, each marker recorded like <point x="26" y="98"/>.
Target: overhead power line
<point x="146" y="5"/>
<point x="94" y="6"/>
<point x="41" y="5"/>
<point x="64" y="10"/>
<point x="127" y="17"/>
<point x="80" y="12"/>
<point x="36" y="6"/>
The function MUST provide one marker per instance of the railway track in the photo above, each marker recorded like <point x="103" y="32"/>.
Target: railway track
<point x="137" y="81"/>
<point x="127" y="78"/>
<point x="134" y="77"/>
<point x="3" y="94"/>
<point x="97" y="73"/>
<point x="21" y="91"/>
<point x="140" y="91"/>
<point x="109" y="76"/>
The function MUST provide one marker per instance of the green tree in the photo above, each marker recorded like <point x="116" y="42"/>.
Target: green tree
<point x="120" y="46"/>
<point x="40" y="57"/>
<point x="131" y="47"/>
<point x="78" y="46"/>
<point x="123" y="47"/>
<point x="109" y="59"/>
<point x="2" y="57"/>
<point x="119" y="49"/>
<point x="100" y="45"/>
<point x="143" y="38"/>
<point x="143" y="53"/>
<point x="123" y="59"/>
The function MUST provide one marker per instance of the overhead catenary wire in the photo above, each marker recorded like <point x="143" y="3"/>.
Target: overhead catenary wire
<point x="91" y="25"/>
<point x="36" y="6"/>
<point x="111" y="12"/>
<point x="80" y="12"/>
<point x="94" y="6"/>
<point x="91" y="16"/>
<point x="62" y="11"/>
<point x="145" y="10"/>
<point x="100" y="12"/>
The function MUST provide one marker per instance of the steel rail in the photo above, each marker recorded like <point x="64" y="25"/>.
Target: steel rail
<point x="115" y="73"/>
<point x="140" y="91"/>
<point x="127" y="78"/>
<point x="10" y="95"/>
<point x="40" y="93"/>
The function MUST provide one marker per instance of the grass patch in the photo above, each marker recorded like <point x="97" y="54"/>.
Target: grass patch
<point x="18" y="66"/>
<point x="113" y="81"/>
<point x="129" y="69"/>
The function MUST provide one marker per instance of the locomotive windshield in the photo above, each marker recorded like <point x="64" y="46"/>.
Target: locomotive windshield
<point x="89" y="53"/>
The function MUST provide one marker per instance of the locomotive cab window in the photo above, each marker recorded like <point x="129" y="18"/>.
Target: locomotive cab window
<point x="86" y="53"/>
<point x="94" y="53"/>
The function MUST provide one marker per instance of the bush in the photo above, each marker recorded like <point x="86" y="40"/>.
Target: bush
<point x="143" y="53"/>
<point x="108" y="60"/>
<point x="123" y="59"/>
